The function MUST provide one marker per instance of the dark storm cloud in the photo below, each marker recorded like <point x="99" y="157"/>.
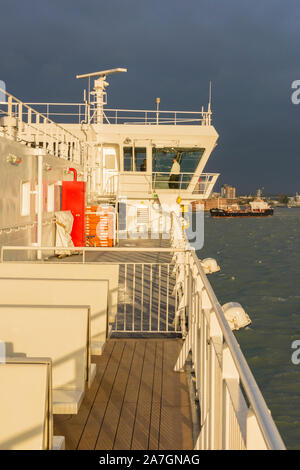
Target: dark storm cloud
<point x="172" y="49"/>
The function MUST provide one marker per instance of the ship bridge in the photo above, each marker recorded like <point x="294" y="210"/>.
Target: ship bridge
<point x="133" y="150"/>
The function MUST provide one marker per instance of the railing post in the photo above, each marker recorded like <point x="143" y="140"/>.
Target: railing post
<point x="37" y="136"/>
<point x="202" y="358"/>
<point x="40" y="157"/>
<point x="10" y="116"/>
<point x="215" y="398"/>
<point x="44" y="139"/>
<point x="229" y="373"/>
<point x="9" y="106"/>
<point x="197" y="338"/>
<point x="254" y="438"/>
<point x="20" y="113"/>
<point x="29" y="119"/>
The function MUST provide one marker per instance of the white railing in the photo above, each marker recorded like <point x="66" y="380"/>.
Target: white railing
<point x="147" y="301"/>
<point x="161" y="180"/>
<point x="83" y="249"/>
<point x="233" y="413"/>
<point x="20" y="122"/>
<point x="85" y="112"/>
<point x="205" y="184"/>
<point x="142" y="182"/>
<point x="111" y="185"/>
<point x="202" y="184"/>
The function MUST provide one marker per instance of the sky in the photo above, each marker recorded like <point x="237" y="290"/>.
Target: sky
<point x="250" y="50"/>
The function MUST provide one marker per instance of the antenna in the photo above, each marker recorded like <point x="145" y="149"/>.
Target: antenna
<point x="102" y="73"/>
<point x="209" y="97"/>
<point x="157" y="100"/>
<point x="99" y="89"/>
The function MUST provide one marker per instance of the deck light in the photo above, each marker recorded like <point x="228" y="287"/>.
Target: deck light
<point x="236" y="315"/>
<point x="210" y="265"/>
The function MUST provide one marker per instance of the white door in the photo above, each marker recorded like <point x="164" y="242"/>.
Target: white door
<point x="110" y="171"/>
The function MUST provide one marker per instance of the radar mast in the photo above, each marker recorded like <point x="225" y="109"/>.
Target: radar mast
<point x="99" y="92"/>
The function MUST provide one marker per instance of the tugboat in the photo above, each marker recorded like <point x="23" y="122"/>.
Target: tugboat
<point x="256" y="208"/>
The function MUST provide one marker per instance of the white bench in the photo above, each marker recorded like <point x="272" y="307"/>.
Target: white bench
<point x="60" y="291"/>
<point x="26" y="405"/>
<point x="59" y="332"/>
<point x="67" y="270"/>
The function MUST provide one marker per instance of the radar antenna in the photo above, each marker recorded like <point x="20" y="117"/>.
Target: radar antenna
<point x="99" y="89"/>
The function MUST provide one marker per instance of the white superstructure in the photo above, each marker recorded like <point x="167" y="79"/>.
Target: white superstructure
<point x="121" y="154"/>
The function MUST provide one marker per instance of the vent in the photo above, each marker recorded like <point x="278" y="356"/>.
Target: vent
<point x="142" y="216"/>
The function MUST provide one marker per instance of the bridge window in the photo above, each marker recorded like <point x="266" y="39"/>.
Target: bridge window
<point x="162" y="162"/>
<point x="135" y="159"/>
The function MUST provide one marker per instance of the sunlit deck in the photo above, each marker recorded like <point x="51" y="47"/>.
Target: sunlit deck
<point x="137" y="401"/>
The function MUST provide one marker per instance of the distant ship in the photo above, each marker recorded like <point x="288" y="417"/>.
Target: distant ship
<point x="256" y="208"/>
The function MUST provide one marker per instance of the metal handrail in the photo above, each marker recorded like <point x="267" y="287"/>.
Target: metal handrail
<point x="254" y="395"/>
<point x="41" y="122"/>
<point x="85" y="249"/>
<point x="49" y="121"/>
<point x="257" y="403"/>
<point x="150" y="116"/>
<point x="178" y="184"/>
<point x="182" y="183"/>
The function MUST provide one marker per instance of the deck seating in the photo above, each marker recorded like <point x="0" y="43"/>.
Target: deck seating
<point x="62" y="292"/>
<point x="92" y="284"/>
<point x="59" y="332"/>
<point x="26" y="405"/>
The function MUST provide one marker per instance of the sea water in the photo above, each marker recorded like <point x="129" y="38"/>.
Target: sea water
<point x="260" y="269"/>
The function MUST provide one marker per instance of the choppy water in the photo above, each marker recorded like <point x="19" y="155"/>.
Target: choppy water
<point x="260" y="268"/>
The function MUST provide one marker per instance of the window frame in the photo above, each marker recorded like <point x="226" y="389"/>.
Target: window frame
<point x="133" y="155"/>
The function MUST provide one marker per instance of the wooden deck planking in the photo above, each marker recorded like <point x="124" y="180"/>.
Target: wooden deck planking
<point x="156" y="398"/>
<point x="106" y="437"/>
<point x="127" y="419"/>
<point x="175" y="419"/>
<point x="136" y="401"/>
<point x="175" y="428"/>
<point x="173" y="395"/>
<point x="140" y="439"/>
<point x="72" y="426"/>
<point x="93" y="425"/>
